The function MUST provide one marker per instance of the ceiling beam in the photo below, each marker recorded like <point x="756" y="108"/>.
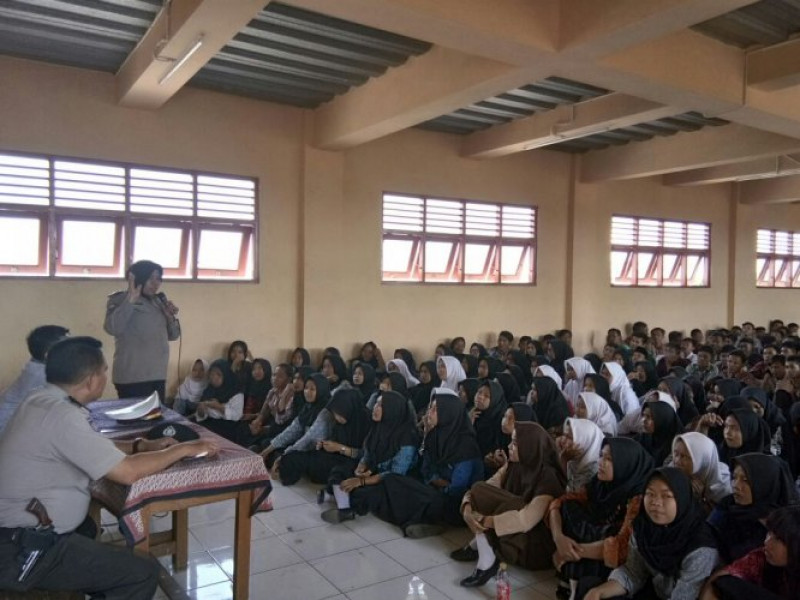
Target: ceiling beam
<point x="181" y="40"/>
<point x="770" y="191"/>
<point x="705" y="148"/>
<point x="774" y="68"/>
<point x="592" y="28"/>
<point x="763" y="168"/>
<point x="428" y="86"/>
<point x="564" y="123"/>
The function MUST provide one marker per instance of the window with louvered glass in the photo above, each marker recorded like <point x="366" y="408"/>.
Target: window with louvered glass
<point x="438" y="240"/>
<point x="777" y="259"/>
<point x="69" y="217"/>
<point x="649" y="252"/>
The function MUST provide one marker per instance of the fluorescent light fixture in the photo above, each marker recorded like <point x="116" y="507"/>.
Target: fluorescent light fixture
<point x="181" y="60"/>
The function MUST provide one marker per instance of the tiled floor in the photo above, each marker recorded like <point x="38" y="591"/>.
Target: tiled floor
<point x="297" y="556"/>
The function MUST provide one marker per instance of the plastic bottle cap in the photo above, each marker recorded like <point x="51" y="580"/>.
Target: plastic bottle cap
<point x="503" y="566"/>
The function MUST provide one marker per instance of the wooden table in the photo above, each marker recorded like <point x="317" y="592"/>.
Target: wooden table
<point x="235" y="473"/>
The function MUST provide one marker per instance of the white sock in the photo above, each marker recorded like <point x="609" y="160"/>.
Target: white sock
<point x="486" y="555"/>
<point x="473" y="543"/>
<point x="342" y="498"/>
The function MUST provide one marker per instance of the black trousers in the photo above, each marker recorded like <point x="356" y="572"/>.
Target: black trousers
<point x="141" y="389"/>
<point x="77" y="563"/>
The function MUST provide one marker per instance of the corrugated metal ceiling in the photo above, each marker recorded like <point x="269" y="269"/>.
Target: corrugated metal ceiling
<point x="763" y="23"/>
<point x="302" y="58"/>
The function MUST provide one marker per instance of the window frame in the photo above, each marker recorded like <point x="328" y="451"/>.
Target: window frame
<point x="778" y="261"/>
<point x="654" y="276"/>
<point x="52" y="217"/>
<point x="416" y="273"/>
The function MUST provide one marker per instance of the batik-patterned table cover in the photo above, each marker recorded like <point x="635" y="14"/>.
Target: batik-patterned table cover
<point x="232" y="469"/>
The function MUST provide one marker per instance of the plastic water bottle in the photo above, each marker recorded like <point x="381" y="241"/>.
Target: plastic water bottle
<point x="416" y="589"/>
<point x="503" y="583"/>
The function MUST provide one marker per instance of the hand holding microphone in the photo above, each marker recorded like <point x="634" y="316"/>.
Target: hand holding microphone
<point x="167" y="306"/>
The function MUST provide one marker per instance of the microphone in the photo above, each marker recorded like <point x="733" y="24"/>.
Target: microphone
<point x="162" y="301"/>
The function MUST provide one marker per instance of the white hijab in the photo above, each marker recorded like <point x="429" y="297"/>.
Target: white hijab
<point x="192" y="390"/>
<point x="574" y="387"/>
<point x="706" y="464"/>
<point x="621" y="391"/>
<point x="599" y="412"/>
<point x="403" y="369"/>
<point x="455" y="372"/>
<point x="548" y="371"/>
<point x="589" y="438"/>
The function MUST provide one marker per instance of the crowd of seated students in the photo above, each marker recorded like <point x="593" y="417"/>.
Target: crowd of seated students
<point x="664" y="467"/>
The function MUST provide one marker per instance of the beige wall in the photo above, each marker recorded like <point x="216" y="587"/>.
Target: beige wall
<point x="320" y="230"/>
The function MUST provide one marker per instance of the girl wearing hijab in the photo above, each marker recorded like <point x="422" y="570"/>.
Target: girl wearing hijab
<point x="643" y="378"/>
<point x="510" y="387"/>
<point x="592" y="526"/>
<point x="239" y="360"/>
<point x="489" y="367"/>
<point x="558" y="352"/>
<point x="487" y="416"/>
<point x="594" y="382"/>
<point x="334" y="368"/>
<point x="390" y="447"/>
<point x="451" y="463"/>
<point x="696" y="455"/>
<point x="277" y="411"/>
<point x="467" y="390"/>
<point x="394" y="382"/>
<point x="469" y="363"/>
<point x="591" y="406"/>
<point x="516" y="412"/>
<point x="221" y="399"/>
<point x="580" y="450"/>
<point x="621" y="391"/>
<point x="191" y="390"/>
<point x="450" y="372"/>
<point x="300" y="358"/>
<point x="671" y="546"/>
<point x="772" y="415"/>
<point x="370" y="354"/>
<point x="520" y="360"/>
<point x="576" y="370"/>
<point x="771" y="572"/>
<point x="523" y="383"/>
<point x="399" y="365"/>
<point x="548" y="371"/>
<point x="761" y="483"/>
<point x="549" y="404"/>
<point x="721" y="389"/>
<point x="420" y="396"/>
<point x="744" y="432"/>
<point x="478" y="350"/>
<point x="364" y="380"/>
<point x="312" y="424"/>
<point x="595" y="361"/>
<point x="407" y="358"/>
<point x="681" y="394"/>
<point x="506" y="513"/>
<point x="661" y="425"/>
<point x="341" y="448"/>
<point x="258" y="387"/>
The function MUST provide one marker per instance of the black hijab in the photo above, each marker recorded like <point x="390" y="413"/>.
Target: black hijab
<point x="310" y="411"/>
<point x="698" y="393"/>
<point x="397" y="381"/>
<point x="453" y="439"/>
<point x="664" y="547"/>
<point x="367" y="387"/>
<point x="304" y="353"/>
<point x="539" y="470"/>
<point x="666" y="426"/>
<point x="408" y="358"/>
<point x="339" y="367"/>
<point x="679" y="390"/>
<point x="632" y="466"/>
<point x="469" y="363"/>
<point x="651" y="378"/>
<point x="258" y="390"/>
<point x="481" y="350"/>
<point x="727" y="387"/>
<point x="561" y="352"/>
<point x="595" y="361"/>
<point x="523" y="382"/>
<point x="347" y="403"/>
<point x="229" y="387"/>
<point x="772" y="414"/>
<point x="771" y="485"/>
<point x="470" y="386"/>
<point x="522" y="361"/>
<point x="493" y="366"/>
<point x="550" y="406"/>
<point x="420" y="395"/>
<point x="510" y="386"/>
<point x="603" y="389"/>
<point x="488" y="424"/>
<point x="523" y="412"/>
<point x="397" y="428"/>
<point x="755" y="435"/>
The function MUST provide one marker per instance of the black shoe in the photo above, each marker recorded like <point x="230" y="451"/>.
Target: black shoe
<point x="465" y="554"/>
<point x="321" y="496"/>
<point x="479" y="578"/>
<point x="563" y="592"/>
<point x="336" y="515"/>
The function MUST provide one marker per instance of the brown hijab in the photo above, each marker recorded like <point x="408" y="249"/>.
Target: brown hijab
<point x="538" y="471"/>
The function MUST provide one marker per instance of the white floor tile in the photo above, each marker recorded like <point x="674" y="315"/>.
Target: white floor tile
<point x="418" y="555"/>
<point x="265" y="555"/>
<point x="218" y="591"/>
<point x="394" y="589"/>
<point x="292" y="518"/>
<point x="221" y="535"/>
<point x="373" y="529"/>
<point x="212" y="513"/>
<point x="283" y="496"/>
<point x="445" y="578"/>
<point x="201" y="571"/>
<point x="358" y="568"/>
<point x="323" y="541"/>
<point x="296" y="582"/>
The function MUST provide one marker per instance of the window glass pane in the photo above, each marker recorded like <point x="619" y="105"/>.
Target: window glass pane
<point x="397" y="255"/>
<point x="161" y="192"/>
<point x="159" y="244"/>
<point x="444" y="216"/>
<point x="763" y="278"/>
<point x="24" y="180"/>
<point x="672" y="269"/>
<point x="19" y="241"/>
<point x="437" y="257"/>
<point x="697" y="271"/>
<point x="621" y="268"/>
<point x="88" y="243"/>
<point x="649" y="233"/>
<point x="646" y="268"/>
<point x="87" y="185"/>
<point x="475" y="256"/>
<point x="510" y="259"/>
<point x="403" y="213"/>
<point x="219" y="250"/>
<point x="515" y="264"/>
<point x="674" y="235"/>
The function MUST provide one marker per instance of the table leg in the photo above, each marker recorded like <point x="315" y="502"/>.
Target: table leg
<point x="180" y="533"/>
<point x="241" y="549"/>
